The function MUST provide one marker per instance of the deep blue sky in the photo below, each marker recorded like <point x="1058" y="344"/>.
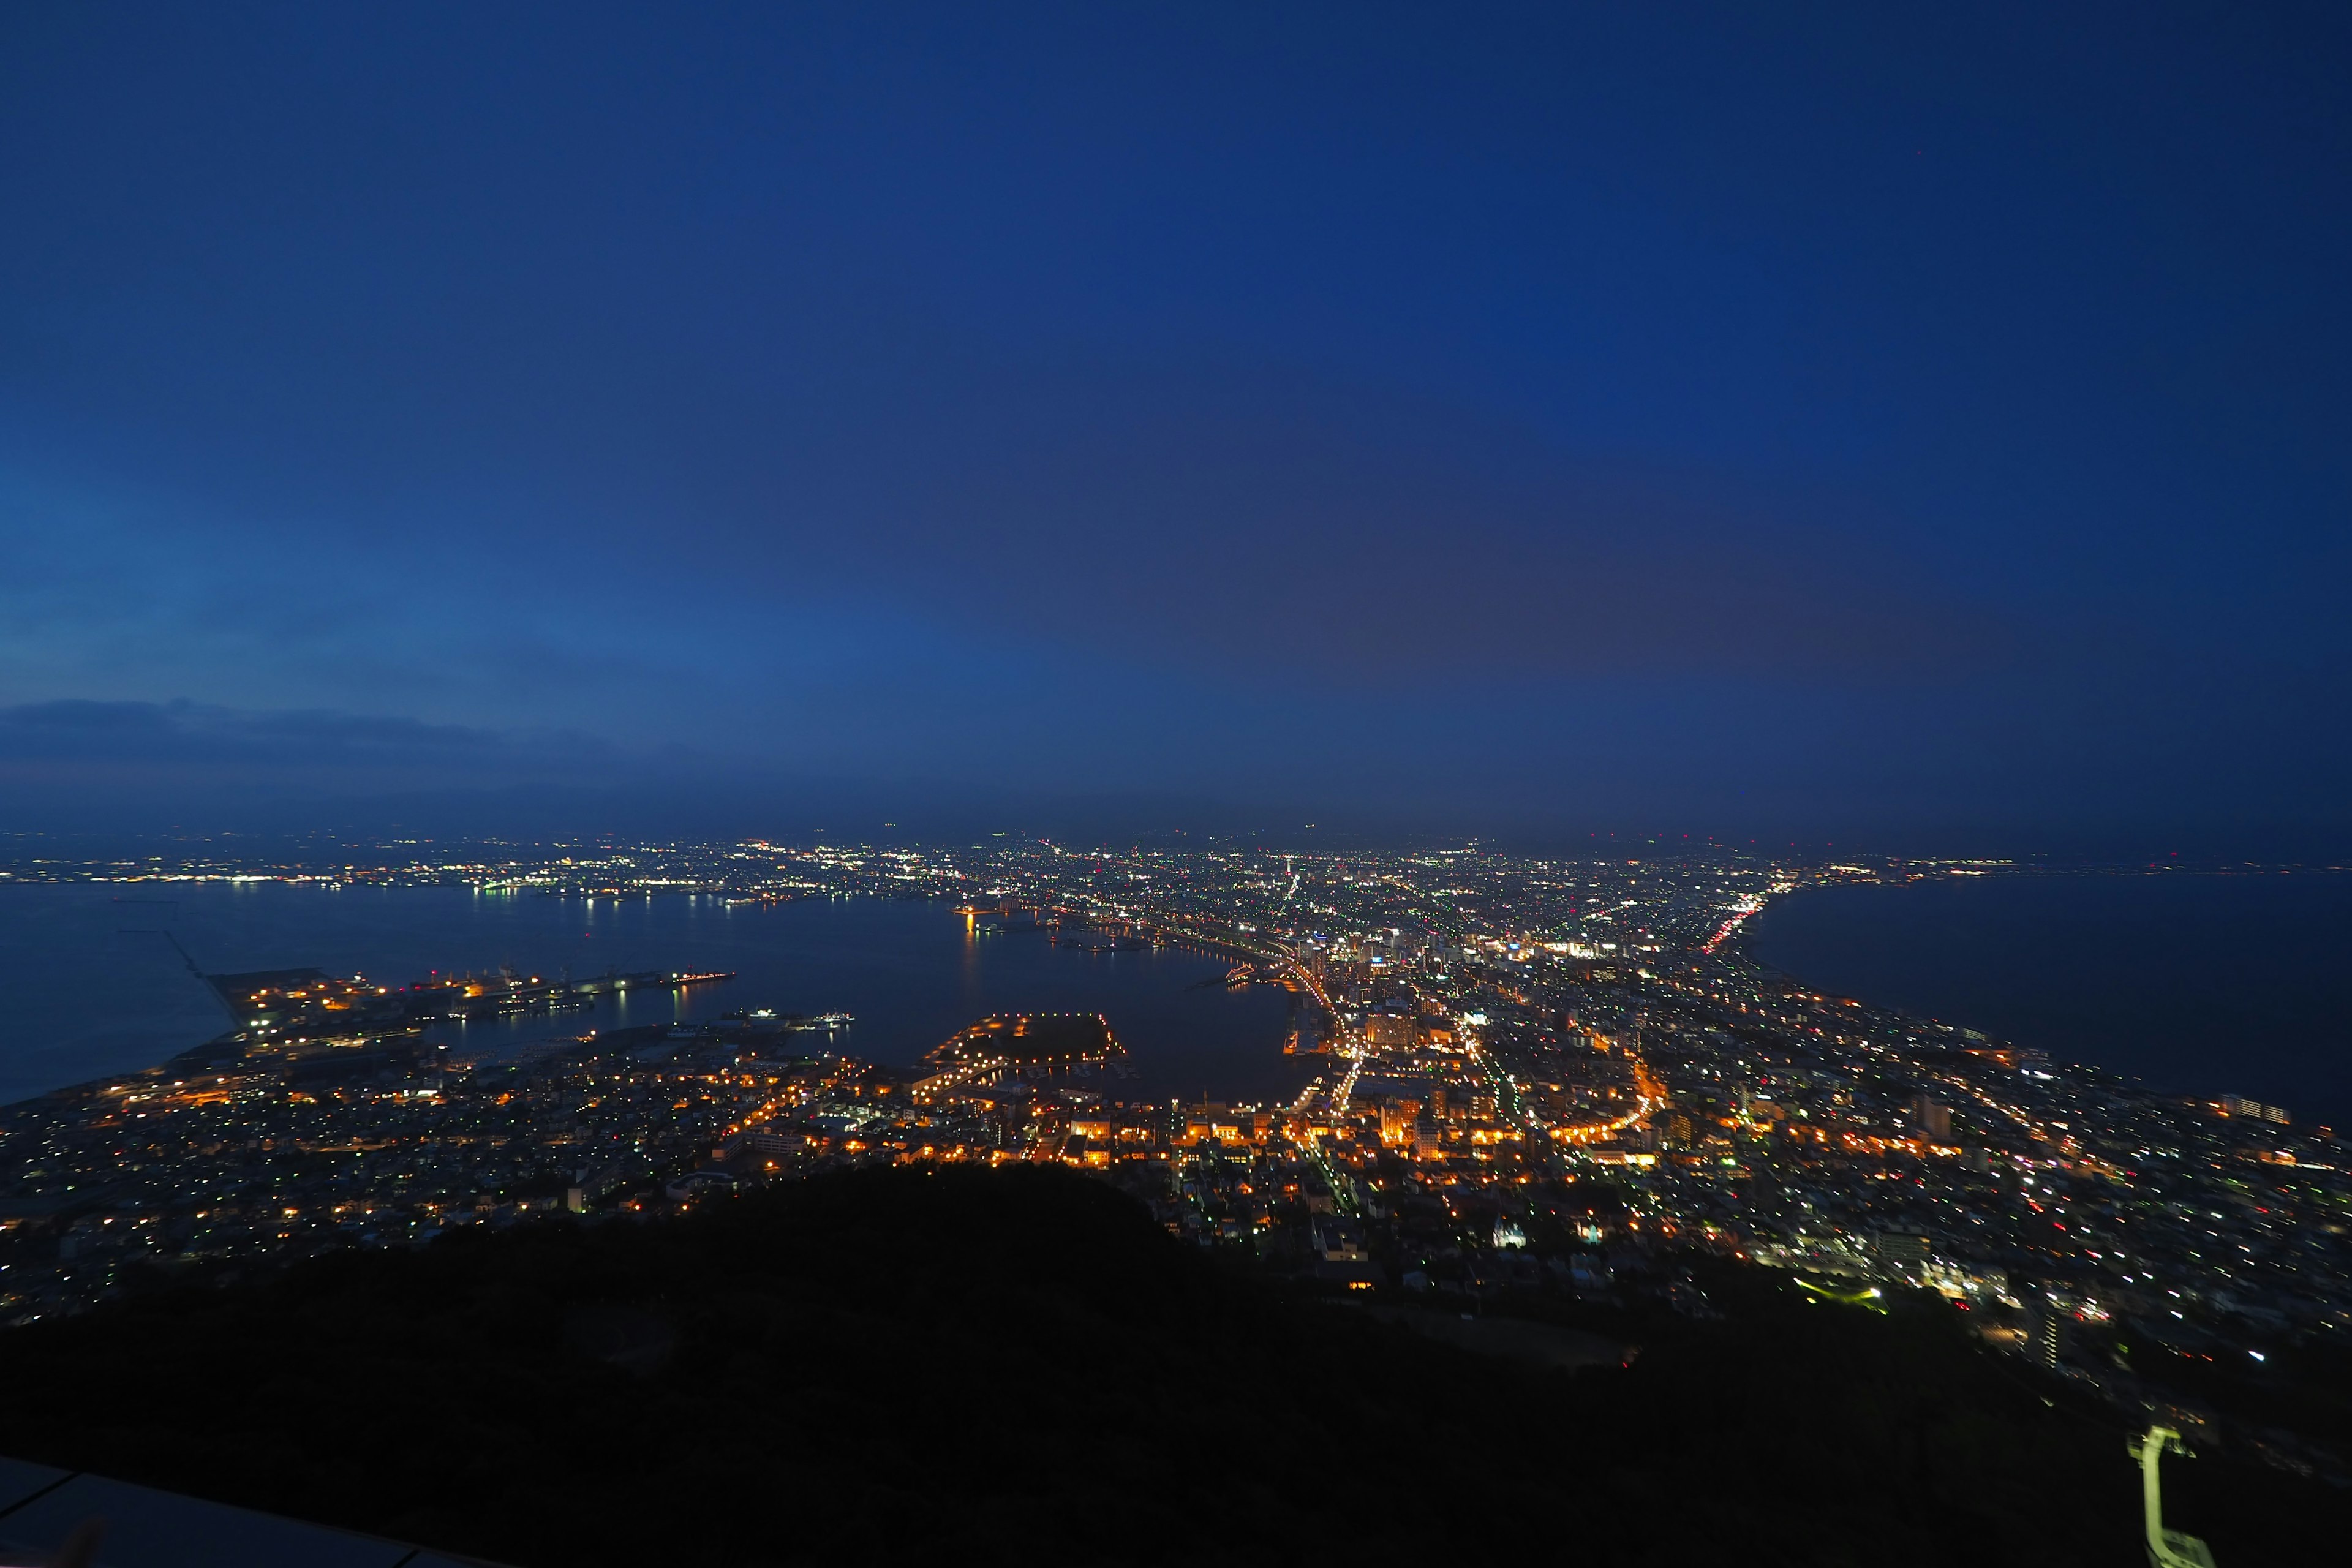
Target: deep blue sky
<point x="1911" y="426"/>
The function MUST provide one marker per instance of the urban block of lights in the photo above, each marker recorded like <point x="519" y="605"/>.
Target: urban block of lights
<point x="1527" y="1075"/>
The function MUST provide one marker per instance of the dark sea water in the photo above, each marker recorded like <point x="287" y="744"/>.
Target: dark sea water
<point x="2205" y="985"/>
<point x="93" y="987"/>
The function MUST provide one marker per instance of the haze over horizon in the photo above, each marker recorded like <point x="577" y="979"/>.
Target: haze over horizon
<point x="1923" y="432"/>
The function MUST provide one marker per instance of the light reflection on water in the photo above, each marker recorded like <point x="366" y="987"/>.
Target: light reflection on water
<point x="94" y="990"/>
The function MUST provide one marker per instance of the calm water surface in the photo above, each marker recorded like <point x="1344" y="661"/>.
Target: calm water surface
<point x="94" y="987"/>
<point x="2205" y="985"/>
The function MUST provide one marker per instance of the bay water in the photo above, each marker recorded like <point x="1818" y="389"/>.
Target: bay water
<point x="2198" y="984"/>
<point x="96" y="985"/>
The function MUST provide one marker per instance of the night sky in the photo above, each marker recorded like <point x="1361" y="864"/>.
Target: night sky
<point x="1913" y="427"/>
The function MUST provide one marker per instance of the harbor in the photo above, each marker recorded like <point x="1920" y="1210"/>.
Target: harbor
<point x="910" y="972"/>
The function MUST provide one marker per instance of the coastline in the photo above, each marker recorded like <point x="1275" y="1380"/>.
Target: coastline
<point x="2200" y="983"/>
<point x="98" y="1000"/>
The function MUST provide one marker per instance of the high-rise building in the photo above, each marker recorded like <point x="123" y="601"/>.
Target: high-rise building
<point x="1903" y="1251"/>
<point x="1427" y="1141"/>
<point x="2045" y="1333"/>
<point x="1931" y="1119"/>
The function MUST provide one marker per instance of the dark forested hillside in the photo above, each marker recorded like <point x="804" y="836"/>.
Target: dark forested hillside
<point x="895" y="1366"/>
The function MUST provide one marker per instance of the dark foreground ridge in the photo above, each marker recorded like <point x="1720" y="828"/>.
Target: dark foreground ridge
<point x="903" y="1366"/>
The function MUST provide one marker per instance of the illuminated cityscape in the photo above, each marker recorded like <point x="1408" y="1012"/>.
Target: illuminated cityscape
<point x="1175" y="783"/>
<point x="1528" y="1075"/>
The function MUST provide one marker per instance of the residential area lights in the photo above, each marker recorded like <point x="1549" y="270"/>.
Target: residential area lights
<point x="1576" y="1053"/>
